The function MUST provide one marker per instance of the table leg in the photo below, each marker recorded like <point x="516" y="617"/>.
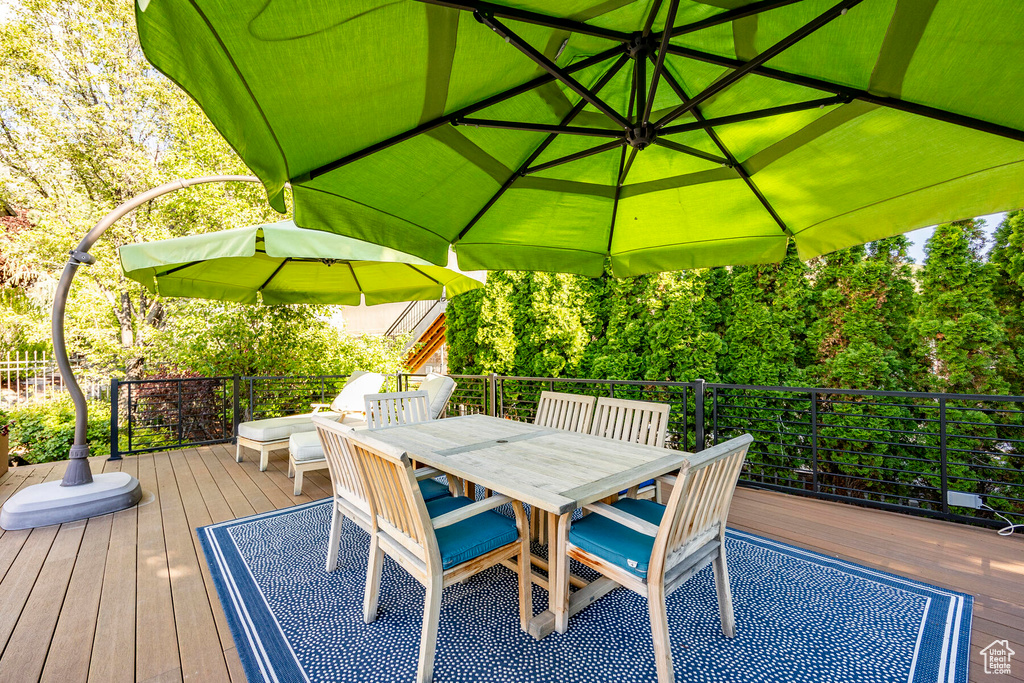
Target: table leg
<point x="558" y="539"/>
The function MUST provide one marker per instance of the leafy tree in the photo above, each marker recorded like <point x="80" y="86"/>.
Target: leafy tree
<point x="1007" y="259"/>
<point x="85" y="124"/>
<point x="957" y="319"/>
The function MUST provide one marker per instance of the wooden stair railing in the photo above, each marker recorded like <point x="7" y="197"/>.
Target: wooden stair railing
<point x="427" y="345"/>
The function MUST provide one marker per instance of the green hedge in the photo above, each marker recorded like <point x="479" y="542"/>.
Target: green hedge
<point x="44" y="432"/>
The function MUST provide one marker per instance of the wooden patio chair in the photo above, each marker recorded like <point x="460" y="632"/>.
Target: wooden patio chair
<point x="440" y="542"/>
<point x="642" y="422"/>
<point x="569" y="412"/>
<point x="397" y="408"/>
<point x="350" y="499"/>
<point x="653" y="549"/>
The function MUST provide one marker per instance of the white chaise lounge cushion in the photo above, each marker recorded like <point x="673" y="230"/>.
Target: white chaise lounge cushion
<point x="358" y="385"/>
<point x="280" y="428"/>
<point x="439" y="389"/>
<point x="305" y="447"/>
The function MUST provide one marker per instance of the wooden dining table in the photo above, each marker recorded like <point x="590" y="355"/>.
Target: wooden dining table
<point x="553" y="471"/>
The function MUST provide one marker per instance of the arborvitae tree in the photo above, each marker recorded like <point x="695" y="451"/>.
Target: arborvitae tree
<point x="550" y="325"/>
<point x="461" y="325"/>
<point x="957" y="319"/>
<point x="629" y="302"/>
<point x="682" y="344"/>
<point x="765" y="333"/>
<point x="860" y="333"/>
<point x="1007" y="259"/>
<point x="496" y="340"/>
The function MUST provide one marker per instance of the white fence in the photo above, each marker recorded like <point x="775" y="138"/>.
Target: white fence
<point x="26" y="377"/>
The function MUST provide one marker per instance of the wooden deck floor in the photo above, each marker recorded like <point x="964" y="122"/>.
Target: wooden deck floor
<point x="142" y="606"/>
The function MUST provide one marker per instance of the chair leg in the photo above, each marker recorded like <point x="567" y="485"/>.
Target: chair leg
<point x="334" y="540"/>
<point x="264" y="458"/>
<point x="238" y="452"/>
<point x="659" y="632"/>
<point x="297" y="489"/>
<point x="291" y="466"/>
<point x="724" y="595"/>
<point x="431" y="617"/>
<point x="373" y="569"/>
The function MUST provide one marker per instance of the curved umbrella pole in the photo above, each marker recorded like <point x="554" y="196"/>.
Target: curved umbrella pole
<point x="78" y="471"/>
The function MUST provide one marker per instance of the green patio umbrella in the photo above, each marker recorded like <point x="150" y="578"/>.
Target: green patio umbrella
<point x="664" y="134"/>
<point x="283" y="264"/>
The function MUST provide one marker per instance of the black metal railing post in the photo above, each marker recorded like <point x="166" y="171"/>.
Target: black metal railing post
<point x="714" y="415"/>
<point x="943" y="472"/>
<point x="236" y="406"/>
<point x="492" y="408"/>
<point x="698" y="416"/>
<point x="814" y="441"/>
<point x="252" y="399"/>
<point x="180" y="416"/>
<point x="115" y="453"/>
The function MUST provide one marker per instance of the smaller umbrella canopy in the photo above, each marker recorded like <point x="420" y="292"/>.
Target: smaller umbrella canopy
<point x="281" y="263"/>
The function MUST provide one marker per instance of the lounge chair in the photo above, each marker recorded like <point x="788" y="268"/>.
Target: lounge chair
<point x="273" y="433"/>
<point x="306" y="453"/>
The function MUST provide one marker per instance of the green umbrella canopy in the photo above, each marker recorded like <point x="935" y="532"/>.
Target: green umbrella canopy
<point x="284" y="264"/>
<point x="548" y="136"/>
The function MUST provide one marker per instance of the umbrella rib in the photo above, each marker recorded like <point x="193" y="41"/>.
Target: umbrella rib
<point x="856" y="94"/>
<point x="776" y="49"/>
<point x="615" y="202"/>
<point x="177" y="268"/>
<point x="733" y="162"/>
<point x="537" y="18"/>
<point x="448" y="118"/>
<point x="649" y="24"/>
<point x="353" y="271"/>
<point x="577" y="108"/>
<point x="731" y="15"/>
<point x="692" y="151"/>
<point x="432" y="279"/>
<point x="757" y="114"/>
<point x="274" y="274"/>
<point x="574" y="157"/>
<point x="670" y="20"/>
<point x="553" y="69"/>
<point x="539" y="127"/>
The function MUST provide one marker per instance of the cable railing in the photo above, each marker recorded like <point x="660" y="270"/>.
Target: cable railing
<point x="952" y="456"/>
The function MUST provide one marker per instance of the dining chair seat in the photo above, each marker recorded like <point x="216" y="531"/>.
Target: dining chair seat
<point x="616" y="543"/>
<point x="432" y="490"/>
<point x="472" y="537"/>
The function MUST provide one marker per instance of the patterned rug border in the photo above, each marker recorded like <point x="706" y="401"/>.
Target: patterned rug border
<point x="254" y="624"/>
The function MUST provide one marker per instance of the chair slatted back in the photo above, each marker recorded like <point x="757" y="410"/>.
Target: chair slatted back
<point x="397" y="408"/>
<point x="697" y="510"/>
<point x="396" y="502"/>
<point x="342" y="467"/>
<point x="642" y="422"/>
<point x="569" y="412"/>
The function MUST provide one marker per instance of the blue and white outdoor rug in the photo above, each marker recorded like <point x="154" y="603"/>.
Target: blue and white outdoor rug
<point x="800" y="616"/>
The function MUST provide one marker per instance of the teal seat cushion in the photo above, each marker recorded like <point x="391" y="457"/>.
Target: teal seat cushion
<point x="471" y="537"/>
<point x="615" y="543"/>
<point x="432" y="489"/>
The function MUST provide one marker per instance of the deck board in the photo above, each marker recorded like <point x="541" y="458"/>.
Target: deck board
<point x="128" y="597"/>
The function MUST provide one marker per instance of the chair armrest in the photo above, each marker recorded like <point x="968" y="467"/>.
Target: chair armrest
<point x="427" y="473"/>
<point x="476" y="508"/>
<point x="669" y="479"/>
<point x="318" y="406"/>
<point x="623" y="518"/>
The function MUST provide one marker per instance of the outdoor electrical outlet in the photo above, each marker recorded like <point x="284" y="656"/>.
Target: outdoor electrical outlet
<point x="964" y="500"/>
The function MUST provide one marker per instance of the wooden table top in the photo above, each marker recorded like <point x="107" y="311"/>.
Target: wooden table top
<point x="554" y="470"/>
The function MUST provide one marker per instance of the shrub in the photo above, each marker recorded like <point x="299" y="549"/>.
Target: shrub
<point x="44" y="432"/>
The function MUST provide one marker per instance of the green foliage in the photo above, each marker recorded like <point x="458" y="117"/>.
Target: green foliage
<point x="44" y="432"/>
<point x="957" y="319"/>
<point x="1007" y="260"/>
<point x="214" y="339"/>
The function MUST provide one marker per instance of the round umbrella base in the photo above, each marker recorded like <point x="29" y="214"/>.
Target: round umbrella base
<point x="50" y="503"/>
